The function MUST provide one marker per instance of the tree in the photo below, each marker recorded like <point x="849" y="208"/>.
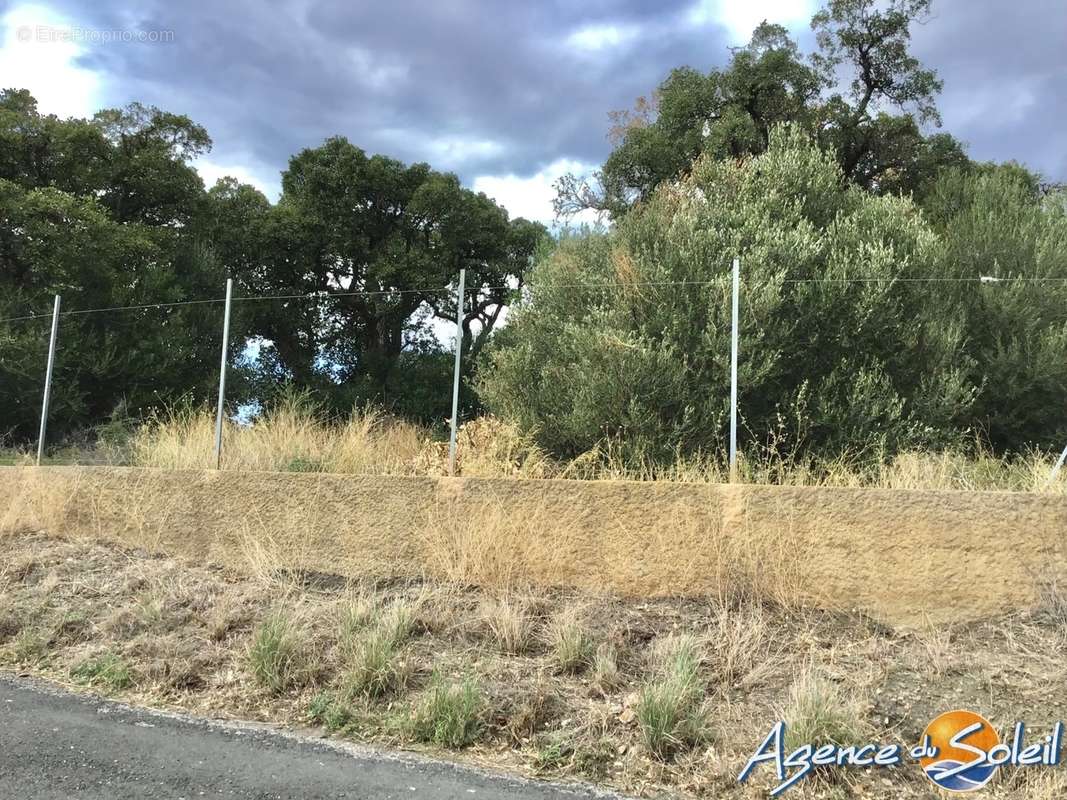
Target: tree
<point x="994" y="221"/>
<point x="106" y="213"/>
<point x="625" y="336"/>
<point x="875" y="127"/>
<point x="379" y="245"/>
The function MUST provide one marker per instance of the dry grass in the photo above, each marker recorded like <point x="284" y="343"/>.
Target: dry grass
<point x="292" y="437"/>
<point x="571" y="645"/>
<point x="672" y="698"/>
<point x="819" y="712"/>
<point x="509" y="622"/>
<point x="738" y="645"/>
<point x="480" y="547"/>
<point x="296" y="436"/>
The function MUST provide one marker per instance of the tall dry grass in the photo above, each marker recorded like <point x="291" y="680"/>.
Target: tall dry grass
<point x="297" y="436"/>
<point x="293" y="437"/>
<point x="973" y="469"/>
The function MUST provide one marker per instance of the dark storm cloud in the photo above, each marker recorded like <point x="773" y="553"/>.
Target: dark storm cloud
<point x="486" y="87"/>
<point x="479" y="87"/>
<point x="1005" y="71"/>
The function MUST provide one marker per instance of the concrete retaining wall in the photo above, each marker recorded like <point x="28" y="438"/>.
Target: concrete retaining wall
<point x="897" y="554"/>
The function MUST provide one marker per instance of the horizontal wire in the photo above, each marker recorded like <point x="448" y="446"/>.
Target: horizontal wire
<point x="326" y="295"/>
<point x="608" y="285"/>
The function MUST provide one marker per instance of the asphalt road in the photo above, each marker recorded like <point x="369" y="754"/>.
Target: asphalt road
<point x="63" y="746"/>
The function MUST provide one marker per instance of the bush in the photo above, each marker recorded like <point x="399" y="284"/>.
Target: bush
<point x="625" y="337"/>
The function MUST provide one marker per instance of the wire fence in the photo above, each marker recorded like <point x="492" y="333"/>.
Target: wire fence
<point x="227" y="301"/>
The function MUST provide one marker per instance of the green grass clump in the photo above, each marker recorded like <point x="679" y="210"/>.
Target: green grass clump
<point x="276" y="655"/>
<point x="451" y="715"/>
<point x="108" y="671"/>
<point x="669" y="707"/>
<point x="378" y="667"/>
<point x="376" y="661"/>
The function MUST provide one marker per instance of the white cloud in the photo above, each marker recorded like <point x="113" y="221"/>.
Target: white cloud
<point x="599" y="37"/>
<point x="532" y="196"/>
<point x="210" y="171"/>
<point x="740" y="17"/>
<point x="372" y="73"/>
<point x="39" y="53"/>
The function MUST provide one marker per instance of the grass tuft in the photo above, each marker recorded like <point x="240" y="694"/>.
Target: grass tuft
<point x="606" y="674"/>
<point x="508" y="623"/>
<point x="107" y="670"/>
<point x="572" y="646"/>
<point x="668" y="710"/>
<point x="276" y="654"/>
<point x="819" y="713"/>
<point x="451" y="715"/>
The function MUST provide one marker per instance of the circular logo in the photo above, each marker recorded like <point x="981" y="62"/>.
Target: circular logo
<point x="960" y="742"/>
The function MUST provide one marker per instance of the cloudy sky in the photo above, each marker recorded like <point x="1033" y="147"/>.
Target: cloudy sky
<point x="507" y="94"/>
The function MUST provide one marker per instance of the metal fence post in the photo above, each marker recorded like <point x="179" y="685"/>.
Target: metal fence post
<point x="48" y="380"/>
<point x="733" y="369"/>
<point x="222" y="374"/>
<point x="1056" y="469"/>
<point x="455" y="376"/>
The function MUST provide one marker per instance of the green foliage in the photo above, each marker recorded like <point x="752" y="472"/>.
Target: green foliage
<point x="641" y="357"/>
<point x="107" y="670"/>
<point x="327" y="710"/>
<point x="403" y="232"/>
<point x="730" y="113"/>
<point x="104" y="212"/>
<point x="276" y="654"/>
<point x="993" y="221"/>
<point x="110" y="212"/>
<point x="669" y="707"/>
<point x="451" y="715"/>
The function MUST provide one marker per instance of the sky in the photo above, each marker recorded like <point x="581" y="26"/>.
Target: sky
<point x="509" y="95"/>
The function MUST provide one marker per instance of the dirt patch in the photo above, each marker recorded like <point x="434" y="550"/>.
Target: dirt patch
<point x="555" y="683"/>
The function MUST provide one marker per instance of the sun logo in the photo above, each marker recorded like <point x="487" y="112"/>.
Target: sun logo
<point x="958" y="745"/>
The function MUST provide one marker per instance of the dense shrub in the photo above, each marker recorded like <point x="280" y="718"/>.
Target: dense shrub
<point x="828" y="364"/>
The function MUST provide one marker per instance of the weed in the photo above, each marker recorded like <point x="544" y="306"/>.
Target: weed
<point x="329" y="711"/>
<point x="29" y="646"/>
<point x="319" y="705"/>
<point x="108" y="671"/>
